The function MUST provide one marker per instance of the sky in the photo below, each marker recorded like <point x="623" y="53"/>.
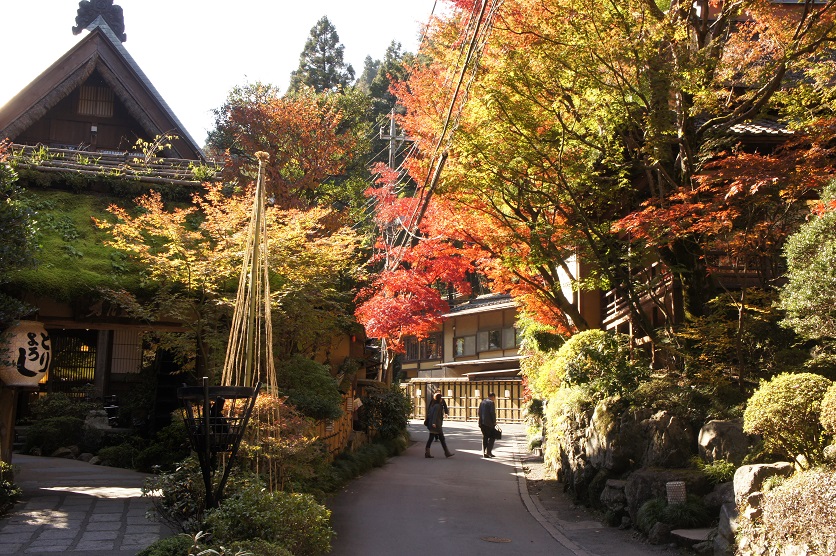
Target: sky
<point x="196" y="51"/>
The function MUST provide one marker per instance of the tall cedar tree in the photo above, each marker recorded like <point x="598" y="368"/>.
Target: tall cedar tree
<point x="615" y="132"/>
<point x="321" y="65"/>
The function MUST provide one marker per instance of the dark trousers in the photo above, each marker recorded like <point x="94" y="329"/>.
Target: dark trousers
<point x="440" y="437"/>
<point x="487" y="440"/>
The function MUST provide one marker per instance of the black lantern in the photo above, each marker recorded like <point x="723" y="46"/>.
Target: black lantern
<point x="216" y="417"/>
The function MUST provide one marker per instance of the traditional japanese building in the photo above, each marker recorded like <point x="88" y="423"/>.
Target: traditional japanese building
<point x="88" y="132"/>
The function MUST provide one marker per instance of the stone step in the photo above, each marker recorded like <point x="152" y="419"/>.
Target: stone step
<point x="692" y="536"/>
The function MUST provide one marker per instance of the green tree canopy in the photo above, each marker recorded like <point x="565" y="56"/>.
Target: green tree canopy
<point x="809" y="297"/>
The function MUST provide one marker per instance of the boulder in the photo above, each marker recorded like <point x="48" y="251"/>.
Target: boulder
<point x="86" y="457"/>
<point x="64" y="452"/>
<point x="95" y="460"/>
<point x="668" y="441"/>
<point x="723" y="440"/>
<point x="750" y="478"/>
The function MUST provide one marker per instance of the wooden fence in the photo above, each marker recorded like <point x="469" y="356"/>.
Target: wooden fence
<point x="463" y="398"/>
<point x="337" y="433"/>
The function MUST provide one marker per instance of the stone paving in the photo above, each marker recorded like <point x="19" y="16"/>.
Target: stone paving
<point x="72" y="506"/>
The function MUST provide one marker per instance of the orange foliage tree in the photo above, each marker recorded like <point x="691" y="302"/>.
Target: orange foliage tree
<point x="624" y="135"/>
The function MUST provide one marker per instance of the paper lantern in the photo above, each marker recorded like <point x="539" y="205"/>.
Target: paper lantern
<point x="26" y="352"/>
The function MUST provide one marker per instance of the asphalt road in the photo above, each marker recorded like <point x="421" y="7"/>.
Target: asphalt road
<point x="461" y="505"/>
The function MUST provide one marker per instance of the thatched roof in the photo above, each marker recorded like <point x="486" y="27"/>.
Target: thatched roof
<point x="100" y="51"/>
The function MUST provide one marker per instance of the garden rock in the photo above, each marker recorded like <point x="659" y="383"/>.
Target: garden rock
<point x="644" y="484"/>
<point x="722" y="494"/>
<point x="613" y="498"/>
<point x="659" y="534"/>
<point x="85" y="457"/>
<point x="723" y="440"/>
<point x="668" y="441"/>
<point x="95" y="460"/>
<point x="97" y="419"/>
<point x="750" y="478"/>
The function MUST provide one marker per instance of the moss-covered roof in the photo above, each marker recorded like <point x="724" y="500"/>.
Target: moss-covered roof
<point x="72" y="256"/>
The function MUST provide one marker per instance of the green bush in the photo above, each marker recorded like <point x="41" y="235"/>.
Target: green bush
<point x="386" y="410"/>
<point x="10" y="493"/>
<point x="52" y="433"/>
<point x="294" y="521"/>
<point x="179" y="545"/>
<point x="828" y="411"/>
<point x="690" y="514"/>
<point x="785" y="411"/>
<point x="124" y="455"/>
<point x="310" y="387"/>
<point x="60" y="404"/>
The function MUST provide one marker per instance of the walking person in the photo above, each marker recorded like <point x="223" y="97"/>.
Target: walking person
<point x="434" y="422"/>
<point x="487" y="422"/>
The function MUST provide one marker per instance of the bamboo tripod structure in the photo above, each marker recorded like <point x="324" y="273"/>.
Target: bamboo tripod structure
<point x="249" y="354"/>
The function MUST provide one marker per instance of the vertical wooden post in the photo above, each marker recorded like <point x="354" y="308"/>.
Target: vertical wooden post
<point x="8" y="407"/>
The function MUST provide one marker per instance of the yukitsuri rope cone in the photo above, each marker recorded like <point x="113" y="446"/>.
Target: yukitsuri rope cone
<point x="249" y="355"/>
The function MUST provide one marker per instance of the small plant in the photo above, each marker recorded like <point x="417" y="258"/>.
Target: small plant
<point x="202" y="172"/>
<point x="718" y="471"/>
<point x="10" y="493"/>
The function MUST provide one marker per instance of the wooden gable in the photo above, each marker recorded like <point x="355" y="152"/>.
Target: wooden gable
<point x="94" y="98"/>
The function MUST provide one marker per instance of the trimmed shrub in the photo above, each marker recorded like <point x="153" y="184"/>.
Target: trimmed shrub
<point x="828" y="410"/>
<point x="785" y="411"/>
<point x="52" y="433"/>
<point x="294" y="521"/>
<point x="800" y="512"/>
<point x="310" y="388"/>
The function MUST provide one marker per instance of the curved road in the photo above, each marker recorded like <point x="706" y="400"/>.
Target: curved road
<point x="460" y="505"/>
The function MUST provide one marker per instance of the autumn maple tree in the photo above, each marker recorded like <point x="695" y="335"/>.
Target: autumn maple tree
<point x="191" y="256"/>
<point x="623" y="135"/>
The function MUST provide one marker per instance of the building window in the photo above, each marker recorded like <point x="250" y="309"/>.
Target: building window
<point x="95" y="101"/>
<point x="428" y="348"/>
<point x="464" y="346"/>
<point x="499" y="338"/>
